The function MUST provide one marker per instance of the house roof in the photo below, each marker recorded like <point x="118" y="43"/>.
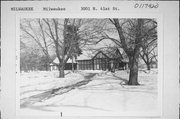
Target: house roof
<point x="116" y="53"/>
<point x="57" y="61"/>
<point x="100" y="52"/>
<point x="84" y="56"/>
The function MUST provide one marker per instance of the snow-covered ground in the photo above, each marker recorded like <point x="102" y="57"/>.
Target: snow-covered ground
<point x="88" y="93"/>
<point x="37" y="82"/>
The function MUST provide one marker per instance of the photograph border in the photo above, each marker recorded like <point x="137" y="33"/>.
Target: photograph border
<point x="160" y="78"/>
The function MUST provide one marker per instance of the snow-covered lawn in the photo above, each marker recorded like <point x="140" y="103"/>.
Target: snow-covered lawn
<point x="88" y="93"/>
<point x="37" y="82"/>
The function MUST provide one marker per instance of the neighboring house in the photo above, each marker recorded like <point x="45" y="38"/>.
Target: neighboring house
<point x="100" y="61"/>
<point x="68" y="65"/>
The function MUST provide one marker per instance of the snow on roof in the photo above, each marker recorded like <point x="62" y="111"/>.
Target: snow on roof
<point x="57" y="61"/>
<point x="70" y="60"/>
<point x="84" y="57"/>
<point x="88" y="56"/>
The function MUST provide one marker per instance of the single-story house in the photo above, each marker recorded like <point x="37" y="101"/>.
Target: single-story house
<point x="100" y="61"/>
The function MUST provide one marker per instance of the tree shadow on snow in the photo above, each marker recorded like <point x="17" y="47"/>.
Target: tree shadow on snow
<point x="26" y="102"/>
<point x="42" y="108"/>
<point x="84" y="106"/>
<point x="112" y="83"/>
<point x="45" y="107"/>
<point x="123" y="80"/>
<point x="29" y="91"/>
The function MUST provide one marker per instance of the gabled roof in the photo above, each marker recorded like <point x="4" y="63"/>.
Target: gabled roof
<point x="100" y="52"/>
<point x="113" y="53"/>
<point x="116" y="53"/>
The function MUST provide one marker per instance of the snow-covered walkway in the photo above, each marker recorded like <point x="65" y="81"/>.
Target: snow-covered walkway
<point x="25" y="102"/>
<point x="94" y="93"/>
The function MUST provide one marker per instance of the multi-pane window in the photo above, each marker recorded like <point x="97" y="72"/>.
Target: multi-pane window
<point x="100" y="62"/>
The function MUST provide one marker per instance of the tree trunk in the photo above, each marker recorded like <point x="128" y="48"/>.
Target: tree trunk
<point x="148" y="62"/>
<point x="133" y="66"/>
<point x="61" y="71"/>
<point x="148" y="66"/>
<point x="46" y="65"/>
<point x="72" y="65"/>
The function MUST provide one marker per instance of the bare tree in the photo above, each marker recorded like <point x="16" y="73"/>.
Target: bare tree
<point x="52" y="34"/>
<point x="132" y="34"/>
<point x="33" y="37"/>
<point x="66" y="37"/>
<point x="149" y="54"/>
<point x="149" y="44"/>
